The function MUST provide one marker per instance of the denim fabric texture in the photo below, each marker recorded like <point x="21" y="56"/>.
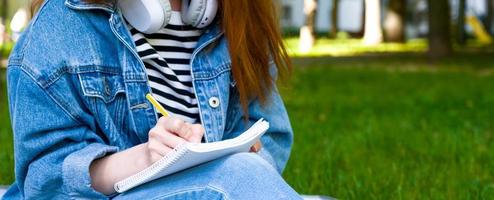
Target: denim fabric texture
<point x="77" y="93"/>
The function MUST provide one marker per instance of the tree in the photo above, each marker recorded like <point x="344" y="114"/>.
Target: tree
<point x="461" y="22"/>
<point x="307" y="32"/>
<point x="362" y="21"/>
<point x="334" y="18"/>
<point x="3" y="22"/>
<point x="490" y="16"/>
<point x="439" y="28"/>
<point x="4" y="11"/>
<point x="373" y="30"/>
<point x="394" y="25"/>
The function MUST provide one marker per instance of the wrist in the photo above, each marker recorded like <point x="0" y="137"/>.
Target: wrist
<point x="144" y="160"/>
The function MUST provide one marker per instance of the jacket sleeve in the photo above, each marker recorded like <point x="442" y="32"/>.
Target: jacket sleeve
<point x="53" y="150"/>
<point x="278" y="140"/>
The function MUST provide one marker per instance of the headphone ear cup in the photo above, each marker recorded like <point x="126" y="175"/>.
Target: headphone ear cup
<point x="189" y="15"/>
<point x="199" y="13"/>
<point x="147" y="16"/>
<point x="167" y="11"/>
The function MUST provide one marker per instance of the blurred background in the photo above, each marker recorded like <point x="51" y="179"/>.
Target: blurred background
<point x="389" y="99"/>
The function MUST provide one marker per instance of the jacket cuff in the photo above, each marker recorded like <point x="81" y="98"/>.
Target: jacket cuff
<point x="76" y="175"/>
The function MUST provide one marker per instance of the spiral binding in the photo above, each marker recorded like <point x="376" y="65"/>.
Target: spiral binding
<point x="163" y="163"/>
<point x="171" y="158"/>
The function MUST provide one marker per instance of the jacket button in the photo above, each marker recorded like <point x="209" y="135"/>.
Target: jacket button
<point x="107" y="90"/>
<point x="214" y="102"/>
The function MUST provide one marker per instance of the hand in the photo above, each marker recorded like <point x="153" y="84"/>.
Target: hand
<point x="168" y="133"/>
<point x="256" y="147"/>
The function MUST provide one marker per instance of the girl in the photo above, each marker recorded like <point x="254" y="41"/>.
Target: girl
<point x="77" y="82"/>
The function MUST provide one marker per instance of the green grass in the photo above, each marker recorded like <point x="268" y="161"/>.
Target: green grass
<point x="381" y="127"/>
<point x="6" y="142"/>
<point x="392" y="127"/>
<point x="350" y="47"/>
<point x="5" y="49"/>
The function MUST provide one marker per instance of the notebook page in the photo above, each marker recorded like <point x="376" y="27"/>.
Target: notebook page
<point x="189" y="155"/>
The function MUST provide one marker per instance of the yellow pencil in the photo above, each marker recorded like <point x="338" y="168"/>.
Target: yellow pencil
<point x="157" y="105"/>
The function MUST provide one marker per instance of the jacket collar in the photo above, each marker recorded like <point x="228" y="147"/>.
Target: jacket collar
<point x="212" y="32"/>
<point x="108" y="5"/>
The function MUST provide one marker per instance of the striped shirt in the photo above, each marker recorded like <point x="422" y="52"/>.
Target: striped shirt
<point x="166" y="55"/>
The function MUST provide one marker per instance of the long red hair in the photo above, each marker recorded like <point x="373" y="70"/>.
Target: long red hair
<point x="253" y="33"/>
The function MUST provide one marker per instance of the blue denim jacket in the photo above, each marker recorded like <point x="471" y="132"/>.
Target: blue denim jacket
<point x="77" y="93"/>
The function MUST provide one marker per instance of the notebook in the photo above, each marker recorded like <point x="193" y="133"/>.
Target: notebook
<point x="191" y="154"/>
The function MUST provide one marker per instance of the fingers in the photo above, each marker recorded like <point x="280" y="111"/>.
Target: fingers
<point x="256" y="147"/>
<point x="187" y="131"/>
<point x="197" y="133"/>
<point x="170" y="132"/>
<point x="157" y="150"/>
<point x="164" y="137"/>
<point x="171" y="124"/>
<point x="175" y="126"/>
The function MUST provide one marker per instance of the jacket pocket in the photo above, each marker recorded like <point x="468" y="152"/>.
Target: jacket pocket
<point x="105" y="98"/>
<point x="105" y="86"/>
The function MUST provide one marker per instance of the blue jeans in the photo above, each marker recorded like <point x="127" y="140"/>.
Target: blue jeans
<point x="239" y="176"/>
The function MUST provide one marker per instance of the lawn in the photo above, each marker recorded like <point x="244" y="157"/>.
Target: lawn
<point x="380" y="127"/>
<point x="351" y="47"/>
<point x="395" y="127"/>
<point x="6" y="145"/>
<point x="354" y="47"/>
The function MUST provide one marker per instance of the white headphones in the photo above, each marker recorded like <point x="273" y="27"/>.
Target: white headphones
<point x="149" y="16"/>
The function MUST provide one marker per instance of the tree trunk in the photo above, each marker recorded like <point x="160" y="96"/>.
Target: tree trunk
<point x="394" y="25"/>
<point x="490" y="16"/>
<point x="362" y="21"/>
<point x="307" y="32"/>
<point x="373" y="30"/>
<point x="461" y="22"/>
<point x="3" y="22"/>
<point x="334" y="18"/>
<point x="439" y="28"/>
<point x="4" y="10"/>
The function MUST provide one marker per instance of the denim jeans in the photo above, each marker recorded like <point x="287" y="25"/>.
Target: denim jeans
<point x="239" y="176"/>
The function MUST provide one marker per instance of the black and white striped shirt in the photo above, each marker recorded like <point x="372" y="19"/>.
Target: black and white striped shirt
<point x="166" y="55"/>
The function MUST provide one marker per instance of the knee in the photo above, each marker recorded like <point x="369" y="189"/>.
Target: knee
<point x="248" y="176"/>
<point x="164" y="192"/>
<point x="247" y="164"/>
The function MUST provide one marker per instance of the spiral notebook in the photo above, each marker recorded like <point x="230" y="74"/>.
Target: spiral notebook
<point x="191" y="154"/>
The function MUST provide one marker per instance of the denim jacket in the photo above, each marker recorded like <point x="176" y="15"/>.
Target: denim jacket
<point x="77" y="93"/>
